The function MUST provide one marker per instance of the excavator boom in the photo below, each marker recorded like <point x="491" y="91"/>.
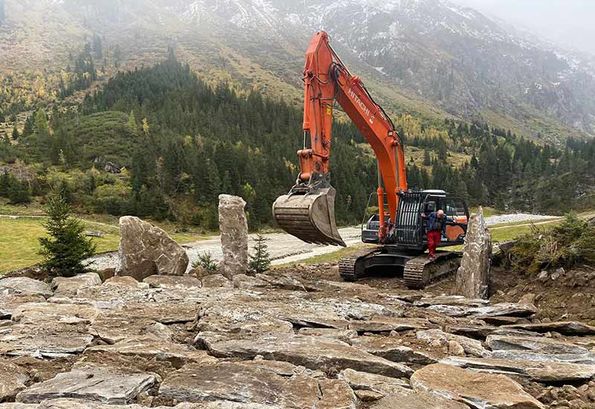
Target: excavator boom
<point x="307" y="211"/>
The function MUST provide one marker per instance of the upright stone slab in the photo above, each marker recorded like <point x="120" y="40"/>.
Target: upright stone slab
<point x="233" y="226"/>
<point x="473" y="276"/>
<point x="146" y="250"/>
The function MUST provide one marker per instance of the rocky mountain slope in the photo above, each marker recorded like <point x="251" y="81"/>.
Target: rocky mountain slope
<point x="424" y="56"/>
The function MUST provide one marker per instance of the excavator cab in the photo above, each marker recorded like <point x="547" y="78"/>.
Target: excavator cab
<point x="309" y="214"/>
<point x="410" y="228"/>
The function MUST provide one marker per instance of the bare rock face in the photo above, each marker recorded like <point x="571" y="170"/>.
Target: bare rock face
<point x="477" y="389"/>
<point x="147" y="250"/>
<point x="473" y="275"/>
<point x="233" y="226"/>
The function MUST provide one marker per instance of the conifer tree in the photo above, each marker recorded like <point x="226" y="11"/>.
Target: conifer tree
<point x="66" y="246"/>
<point x="260" y="261"/>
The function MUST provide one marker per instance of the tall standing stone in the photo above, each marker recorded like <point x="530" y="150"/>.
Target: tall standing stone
<point x="233" y="226"/>
<point x="473" y="276"/>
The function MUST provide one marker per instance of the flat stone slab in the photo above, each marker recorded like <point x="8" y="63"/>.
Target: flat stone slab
<point x="562" y="327"/>
<point x="38" y="341"/>
<point x="547" y="372"/>
<point x="486" y="311"/>
<point x="379" y="385"/>
<point x="390" y="348"/>
<point x="176" y="282"/>
<point x="388" y="324"/>
<point x="93" y="384"/>
<point x="46" y="313"/>
<point x="12" y="380"/>
<point x="478" y="390"/>
<point x="536" y="344"/>
<point x="154" y="347"/>
<point x="253" y="382"/>
<point x="69" y="286"/>
<point x="79" y="404"/>
<point x="311" y="352"/>
<point x="458" y="300"/>
<point x="417" y="400"/>
<point x="24" y="286"/>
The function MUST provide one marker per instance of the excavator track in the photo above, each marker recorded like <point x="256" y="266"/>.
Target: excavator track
<point x="348" y="268"/>
<point x="420" y="271"/>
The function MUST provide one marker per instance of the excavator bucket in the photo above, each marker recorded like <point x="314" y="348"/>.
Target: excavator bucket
<point x="309" y="217"/>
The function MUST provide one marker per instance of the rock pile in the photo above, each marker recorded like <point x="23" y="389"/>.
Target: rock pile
<point x="276" y="342"/>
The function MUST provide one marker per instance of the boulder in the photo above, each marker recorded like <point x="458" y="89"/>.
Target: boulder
<point x="69" y="286"/>
<point x="24" y="286"/>
<point x="94" y="384"/>
<point x="254" y="383"/>
<point x="478" y="390"/>
<point x="13" y="379"/>
<point x="473" y="276"/>
<point x="147" y="250"/>
<point x="233" y="226"/>
<point x="311" y="352"/>
<point x="546" y="372"/>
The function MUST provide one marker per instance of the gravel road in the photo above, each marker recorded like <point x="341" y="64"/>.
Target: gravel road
<point x="284" y="248"/>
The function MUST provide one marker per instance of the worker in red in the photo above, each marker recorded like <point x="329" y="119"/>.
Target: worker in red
<point x="435" y="226"/>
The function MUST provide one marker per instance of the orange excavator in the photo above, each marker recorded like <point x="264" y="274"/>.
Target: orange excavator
<point x="398" y="228"/>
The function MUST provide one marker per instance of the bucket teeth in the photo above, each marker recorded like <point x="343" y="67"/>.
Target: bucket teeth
<point x="309" y="217"/>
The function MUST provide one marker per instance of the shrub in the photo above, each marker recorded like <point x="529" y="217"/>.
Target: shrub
<point x="568" y="243"/>
<point x="206" y="262"/>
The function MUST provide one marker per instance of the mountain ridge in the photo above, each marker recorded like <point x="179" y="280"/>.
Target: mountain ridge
<point x="434" y="58"/>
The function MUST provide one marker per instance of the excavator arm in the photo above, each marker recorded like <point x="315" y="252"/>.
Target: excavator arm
<point x="307" y="211"/>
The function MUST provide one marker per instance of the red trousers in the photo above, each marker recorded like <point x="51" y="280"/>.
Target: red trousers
<point x="434" y="237"/>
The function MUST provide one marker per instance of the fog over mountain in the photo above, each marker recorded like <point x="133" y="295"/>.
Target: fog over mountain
<point x="570" y="23"/>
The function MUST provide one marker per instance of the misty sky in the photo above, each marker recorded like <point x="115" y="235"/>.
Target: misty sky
<point x="567" y="22"/>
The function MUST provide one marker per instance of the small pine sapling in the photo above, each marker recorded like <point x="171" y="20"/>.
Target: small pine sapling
<point x="206" y="262"/>
<point x="260" y="261"/>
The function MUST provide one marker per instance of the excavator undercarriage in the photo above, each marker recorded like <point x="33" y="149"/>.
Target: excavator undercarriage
<point x="417" y="270"/>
